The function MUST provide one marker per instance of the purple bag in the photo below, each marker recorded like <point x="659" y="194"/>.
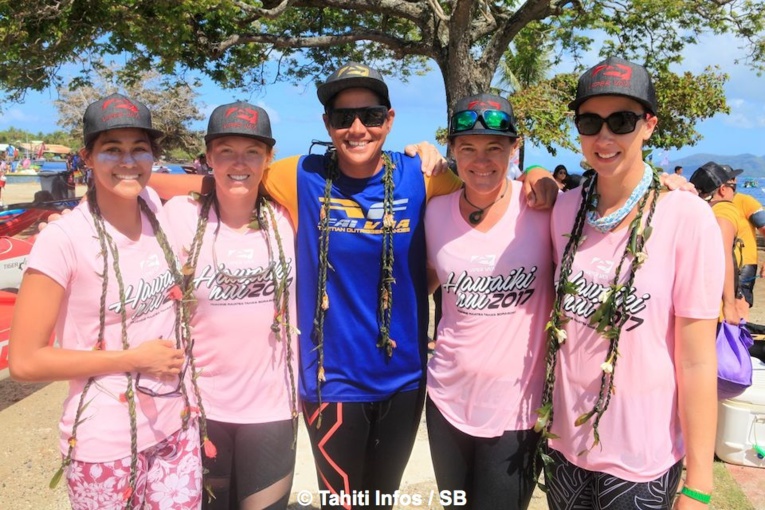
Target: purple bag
<point x="734" y="366"/>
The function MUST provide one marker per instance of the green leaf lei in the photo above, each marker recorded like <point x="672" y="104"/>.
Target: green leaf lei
<point x="384" y="312"/>
<point x="608" y="319"/>
<point x="183" y="341"/>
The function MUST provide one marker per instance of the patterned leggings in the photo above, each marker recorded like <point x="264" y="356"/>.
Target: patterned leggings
<point x="169" y="476"/>
<point x="574" y="488"/>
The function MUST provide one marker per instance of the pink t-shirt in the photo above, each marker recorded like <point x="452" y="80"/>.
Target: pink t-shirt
<point x="640" y="435"/>
<point x="68" y="251"/>
<point x="244" y="372"/>
<point x="487" y="372"/>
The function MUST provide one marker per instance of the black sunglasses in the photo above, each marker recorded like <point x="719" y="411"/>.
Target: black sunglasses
<point x="343" y="118"/>
<point x="620" y="123"/>
<point x="731" y="185"/>
<point x="172" y="393"/>
<point x="494" y="120"/>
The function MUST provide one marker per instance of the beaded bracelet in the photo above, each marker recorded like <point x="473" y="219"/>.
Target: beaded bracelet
<point x="699" y="496"/>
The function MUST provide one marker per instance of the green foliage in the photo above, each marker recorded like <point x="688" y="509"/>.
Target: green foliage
<point x="250" y="44"/>
<point x="171" y="102"/>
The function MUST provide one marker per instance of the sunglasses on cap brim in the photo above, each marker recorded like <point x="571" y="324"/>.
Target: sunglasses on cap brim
<point x="343" y="118"/>
<point x="493" y="120"/>
<point x="619" y="123"/>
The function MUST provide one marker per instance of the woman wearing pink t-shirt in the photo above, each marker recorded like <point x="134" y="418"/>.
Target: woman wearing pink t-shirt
<point x="239" y="260"/>
<point x="104" y="279"/>
<point x="631" y="370"/>
<point x="491" y="254"/>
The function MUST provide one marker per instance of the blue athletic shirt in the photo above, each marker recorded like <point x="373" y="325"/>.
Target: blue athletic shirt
<point x="356" y="370"/>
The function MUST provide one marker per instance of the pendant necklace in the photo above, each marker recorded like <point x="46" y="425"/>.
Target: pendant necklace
<point x="475" y="217"/>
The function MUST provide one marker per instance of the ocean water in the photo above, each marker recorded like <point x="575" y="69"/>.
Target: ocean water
<point x="60" y="166"/>
<point x="757" y="192"/>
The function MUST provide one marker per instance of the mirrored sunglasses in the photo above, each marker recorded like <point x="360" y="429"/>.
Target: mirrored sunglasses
<point x="494" y="120"/>
<point x="343" y="118"/>
<point x="620" y="123"/>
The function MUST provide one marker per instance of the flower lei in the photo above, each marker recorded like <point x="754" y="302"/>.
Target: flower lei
<point x="281" y="324"/>
<point x="608" y="319"/>
<point x="108" y="246"/>
<point x="384" y="311"/>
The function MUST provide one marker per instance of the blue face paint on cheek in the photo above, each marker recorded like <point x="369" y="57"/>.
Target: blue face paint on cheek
<point x="144" y="157"/>
<point x="107" y="158"/>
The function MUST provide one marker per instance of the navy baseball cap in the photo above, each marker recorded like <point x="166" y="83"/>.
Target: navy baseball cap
<point x="240" y="119"/>
<point x="350" y="76"/>
<point x="616" y="77"/>
<point x="116" y="112"/>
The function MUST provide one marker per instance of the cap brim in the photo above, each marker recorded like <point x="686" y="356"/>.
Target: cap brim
<point x="266" y="140"/>
<point x="329" y="90"/>
<point x="576" y="103"/>
<point x="737" y="172"/>
<point x="92" y="136"/>
<point x="509" y="134"/>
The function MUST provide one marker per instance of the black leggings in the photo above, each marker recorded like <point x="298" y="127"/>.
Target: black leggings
<point x="574" y="488"/>
<point x="364" y="446"/>
<point x="253" y="460"/>
<point x="493" y="472"/>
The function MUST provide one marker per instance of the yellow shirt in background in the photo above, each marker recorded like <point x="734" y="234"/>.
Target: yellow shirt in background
<point x="748" y="205"/>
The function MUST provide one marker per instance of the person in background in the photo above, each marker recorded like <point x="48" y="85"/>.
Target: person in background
<point x="560" y="174"/>
<point x="491" y="256"/>
<point x="752" y="210"/>
<point x="200" y="165"/>
<point x="104" y="279"/>
<point x="678" y="170"/>
<point x="631" y="380"/>
<point x="3" y="178"/>
<point x="238" y="251"/>
<point x="573" y="181"/>
<point x="716" y="184"/>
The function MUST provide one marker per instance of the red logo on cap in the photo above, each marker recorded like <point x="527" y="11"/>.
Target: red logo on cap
<point x="246" y="114"/>
<point x="484" y="105"/>
<point x="118" y="108"/>
<point x="619" y="71"/>
<point x="120" y="103"/>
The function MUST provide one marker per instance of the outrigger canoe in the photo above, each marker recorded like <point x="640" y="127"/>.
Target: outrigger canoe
<point x="16" y="218"/>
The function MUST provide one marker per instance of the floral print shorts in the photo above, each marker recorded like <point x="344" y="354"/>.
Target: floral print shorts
<point x="169" y="477"/>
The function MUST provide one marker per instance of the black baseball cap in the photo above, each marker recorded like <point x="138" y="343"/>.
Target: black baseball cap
<point x="732" y="173"/>
<point x="616" y="77"/>
<point x="240" y="119"/>
<point x="710" y="176"/>
<point x="350" y="76"/>
<point x="480" y="103"/>
<point x="116" y="112"/>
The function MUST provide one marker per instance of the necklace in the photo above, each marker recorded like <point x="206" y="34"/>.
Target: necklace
<point x="475" y="217"/>
<point x="609" y="222"/>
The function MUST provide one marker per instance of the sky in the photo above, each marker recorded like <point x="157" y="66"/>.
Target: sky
<point x="420" y="106"/>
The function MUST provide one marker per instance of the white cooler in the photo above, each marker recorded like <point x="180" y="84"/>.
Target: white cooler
<point x="741" y="423"/>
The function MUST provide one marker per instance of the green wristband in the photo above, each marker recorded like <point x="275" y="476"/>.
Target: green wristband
<point x="699" y="496"/>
